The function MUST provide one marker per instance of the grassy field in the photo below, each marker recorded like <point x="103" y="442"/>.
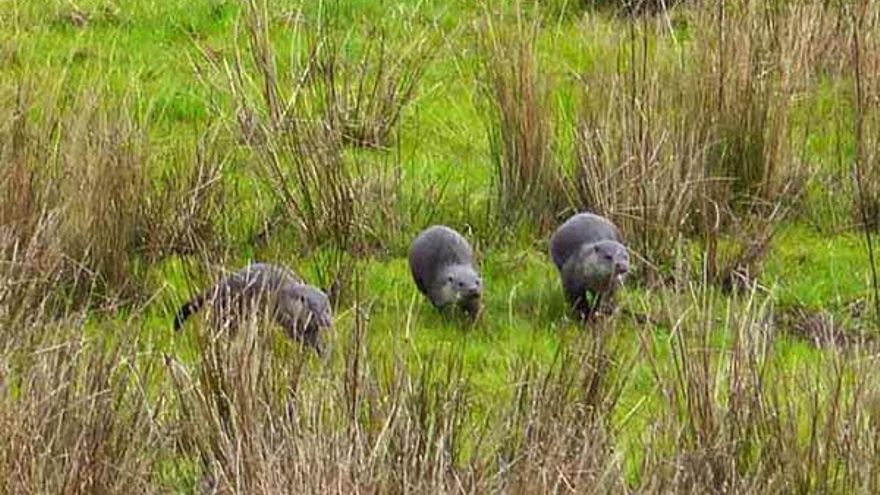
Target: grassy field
<point x="147" y="147"/>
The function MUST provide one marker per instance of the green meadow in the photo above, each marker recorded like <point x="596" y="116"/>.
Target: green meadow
<point x="148" y="147"/>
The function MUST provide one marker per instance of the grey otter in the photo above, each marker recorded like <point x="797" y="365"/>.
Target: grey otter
<point x="300" y="309"/>
<point x="442" y="264"/>
<point x="588" y="250"/>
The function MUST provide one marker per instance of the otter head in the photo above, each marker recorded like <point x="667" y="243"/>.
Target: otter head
<point x="604" y="264"/>
<point x="308" y="306"/>
<point x="460" y="284"/>
<point x="320" y="313"/>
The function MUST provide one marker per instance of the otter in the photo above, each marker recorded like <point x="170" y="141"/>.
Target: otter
<point x="300" y="309"/>
<point x="589" y="253"/>
<point x="442" y="264"/>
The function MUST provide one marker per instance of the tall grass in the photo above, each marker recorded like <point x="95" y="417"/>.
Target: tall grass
<point x="633" y="7"/>
<point x="705" y="393"/>
<point x="634" y="162"/>
<point x="186" y="201"/>
<point x="702" y="145"/>
<point x="72" y="186"/>
<point x="78" y="414"/>
<point x="263" y="419"/>
<point x="519" y="118"/>
<point x="254" y="413"/>
<point x="299" y="120"/>
<point x="365" y="96"/>
<point x="867" y="118"/>
<point x="738" y="425"/>
<point x="87" y="199"/>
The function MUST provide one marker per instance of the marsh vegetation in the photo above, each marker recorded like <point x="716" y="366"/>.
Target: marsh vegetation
<point x="146" y="148"/>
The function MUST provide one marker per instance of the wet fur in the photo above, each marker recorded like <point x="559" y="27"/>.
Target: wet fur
<point x="442" y="265"/>
<point x="579" y="248"/>
<point x="300" y="309"/>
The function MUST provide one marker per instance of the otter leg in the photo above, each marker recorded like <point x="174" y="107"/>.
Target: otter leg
<point x="577" y="303"/>
<point x="312" y="338"/>
<point x="471" y="307"/>
<point x="598" y="301"/>
<point x="580" y="303"/>
<point x="289" y="323"/>
<point x="440" y="308"/>
<point x="605" y="305"/>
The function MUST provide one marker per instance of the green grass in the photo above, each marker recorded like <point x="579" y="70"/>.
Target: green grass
<point x="143" y="51"/>
<point x="819" y="271"/>
<point x="143" y="48"/>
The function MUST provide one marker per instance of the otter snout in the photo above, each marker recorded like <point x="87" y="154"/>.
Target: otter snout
<point x="472" y="293"/>
<point x="621" y="269"/>
<point x="475" y="290"/>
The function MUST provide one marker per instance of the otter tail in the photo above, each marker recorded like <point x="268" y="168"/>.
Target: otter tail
<point x="187" y="310"/>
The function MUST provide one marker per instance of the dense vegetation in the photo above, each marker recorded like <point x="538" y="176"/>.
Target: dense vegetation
<point x="147" y="147"/>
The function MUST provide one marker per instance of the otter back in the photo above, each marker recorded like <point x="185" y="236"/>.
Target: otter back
<point x="299" y="308"/>
<point x="256" y="281"/>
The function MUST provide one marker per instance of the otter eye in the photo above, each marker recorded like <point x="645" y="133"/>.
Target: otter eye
<point x="449" y="278"/>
